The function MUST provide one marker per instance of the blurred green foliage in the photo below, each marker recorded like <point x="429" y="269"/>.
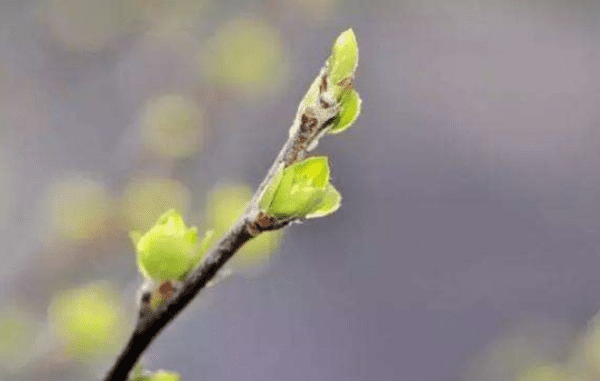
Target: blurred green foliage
<point x="18" y="332"/>
<point x="172" y="126"/>
<point x="77" y="208"/>
<point x="147" y="197"/>
<point x="246" y="55"/>
<point x="165" y="376"/>
<point x="88" y="320"/>
<point x="546" y="372"/>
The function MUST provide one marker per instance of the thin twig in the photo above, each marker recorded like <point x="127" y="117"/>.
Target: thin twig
<point x="310" y="123"/>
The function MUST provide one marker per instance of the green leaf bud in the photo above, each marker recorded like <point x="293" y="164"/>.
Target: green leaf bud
<point x="344" y="57"/>
<point x="168" y="249"/>
<point x="350" y="105"/>
<point x="301" y="190"/>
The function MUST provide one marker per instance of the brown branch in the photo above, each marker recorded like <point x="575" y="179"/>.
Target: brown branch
<point x="310" y="124"/>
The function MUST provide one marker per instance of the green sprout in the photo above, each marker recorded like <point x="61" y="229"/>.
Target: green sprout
<point x="168" y="250"/>
<point x="297" y="188"/>
<point x="350" y="104"/>
<point x="302" y="190"/>
<point x="344" y="58"/>
<point x="341" y="66"/>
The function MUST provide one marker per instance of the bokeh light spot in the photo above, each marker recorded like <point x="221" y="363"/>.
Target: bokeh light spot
<point x="146" y="198"/>
<point x="78" y="208"/>
<point x="88" y="320"/>
<point x="246" y="55"/>
<point x="172" y="126"/>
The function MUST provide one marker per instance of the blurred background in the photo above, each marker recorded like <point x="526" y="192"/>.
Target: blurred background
<point x="467" y="244"/>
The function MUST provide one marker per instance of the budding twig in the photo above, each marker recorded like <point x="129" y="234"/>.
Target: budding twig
<point x="310" y="123"/>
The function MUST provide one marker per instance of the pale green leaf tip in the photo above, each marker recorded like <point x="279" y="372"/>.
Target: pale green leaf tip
<point x="348" y="37"/>
<point x="344" y="57"/>
<point x="331" y="202"/>
<point x="346" y="43"/>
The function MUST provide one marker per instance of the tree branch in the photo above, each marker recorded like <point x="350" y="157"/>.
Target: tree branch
<point x="310" y="124"/>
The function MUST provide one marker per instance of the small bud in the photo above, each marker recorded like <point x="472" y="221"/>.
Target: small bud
<point x="350" y="105"/>
<point x="300" y="190"/>
<point x="168" y="249"/>
<point x="344" y="57"/>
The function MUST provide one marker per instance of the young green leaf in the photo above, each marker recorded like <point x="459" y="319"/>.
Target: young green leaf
<point x="350" y="105"/>
<point x="344" y="57"/>
<point x="167" y="250"/>
<point x="302" y="187"/>
<point x="329" y="204"/>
